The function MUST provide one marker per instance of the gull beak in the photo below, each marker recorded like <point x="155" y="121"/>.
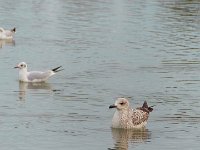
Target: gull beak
<point x="112" y="106"/>
<point x="16" y="67"/>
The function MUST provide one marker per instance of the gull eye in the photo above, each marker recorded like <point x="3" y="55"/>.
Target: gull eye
<point x="122" y="103"/>
<point x="21" y="65"/>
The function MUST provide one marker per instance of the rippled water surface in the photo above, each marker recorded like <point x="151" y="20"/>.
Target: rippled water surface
<point x="142" y="50"/>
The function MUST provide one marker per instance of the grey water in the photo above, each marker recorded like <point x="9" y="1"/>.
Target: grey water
<point x="142" y="50"/>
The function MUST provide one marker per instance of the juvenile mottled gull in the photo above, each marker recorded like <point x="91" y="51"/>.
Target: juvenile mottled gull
<point x="128" y="118"/>
<point x="35" y="76"/>
<point x="7" y="34"/>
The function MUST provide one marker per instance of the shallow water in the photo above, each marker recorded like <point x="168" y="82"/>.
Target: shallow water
<point x="142" y="50"/>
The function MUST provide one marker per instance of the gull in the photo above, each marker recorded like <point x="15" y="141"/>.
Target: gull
<point x="7" y="34"/>
<point x="128" y="118"/>
<point x="35" y="76"/>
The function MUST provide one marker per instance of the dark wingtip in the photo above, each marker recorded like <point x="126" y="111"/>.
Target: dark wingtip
<point x="14" y="29"/>
<point x="145" y="106"/>
<point x="57" y="69"/>
<point x="150" y="109"/>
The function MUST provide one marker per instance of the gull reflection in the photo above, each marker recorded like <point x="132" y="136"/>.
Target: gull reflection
<point x="124" y="137"/>
<point x="24" y="86"/>
<point x="7" y="42"/>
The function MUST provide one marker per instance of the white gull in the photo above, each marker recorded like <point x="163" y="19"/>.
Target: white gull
<point x="128" y="118"/>
<point x="35" y="76"/>
<point x="7" y="34"/>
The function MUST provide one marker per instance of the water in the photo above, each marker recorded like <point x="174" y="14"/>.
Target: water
<point x="142" y="50"/>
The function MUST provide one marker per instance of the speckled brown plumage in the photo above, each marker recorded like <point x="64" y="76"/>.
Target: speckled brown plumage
<point x="126" y="117"/>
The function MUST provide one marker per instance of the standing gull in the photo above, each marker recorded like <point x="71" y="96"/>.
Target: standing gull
<point x="7" y="34"/>
<point x="35" y="76"/>
<point x="128" y="118"/>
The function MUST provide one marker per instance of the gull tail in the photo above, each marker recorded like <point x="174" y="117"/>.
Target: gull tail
<point x="13" y="30"/>
<point x="57" y="69"/>
<point x="146" y="107"/>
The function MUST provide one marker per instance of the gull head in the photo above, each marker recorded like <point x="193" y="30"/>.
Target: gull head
<point x="21" y="65"/>
<point x="120" y="104"/>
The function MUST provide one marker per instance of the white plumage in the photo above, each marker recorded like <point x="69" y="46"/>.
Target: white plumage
<point x="34" y="76"/>
<point x="7" y="34"/>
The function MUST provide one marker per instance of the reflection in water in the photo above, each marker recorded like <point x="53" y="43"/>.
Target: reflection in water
<point x="123" y="137"/>
<point x="7" y="42"/>
<point x="23" y="86"/>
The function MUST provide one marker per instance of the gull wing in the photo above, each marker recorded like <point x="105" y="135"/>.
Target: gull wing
<point x="8" y="33"/>
<point x="39" y="76"/>
<point x="139" y="116"/>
